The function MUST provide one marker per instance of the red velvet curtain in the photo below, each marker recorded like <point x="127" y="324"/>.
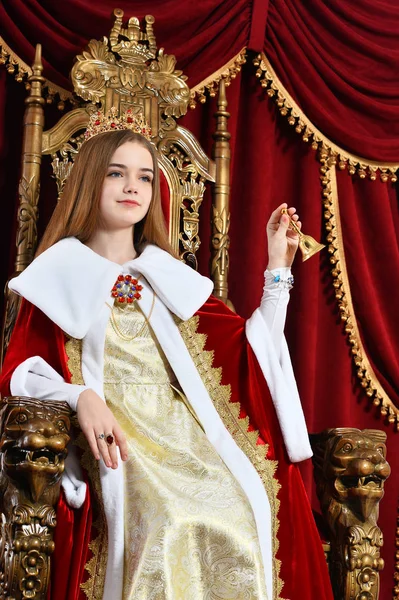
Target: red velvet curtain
<point x="339" y="61"/>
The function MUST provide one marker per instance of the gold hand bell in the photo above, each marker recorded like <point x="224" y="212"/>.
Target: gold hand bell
<point x="307" y="245"/>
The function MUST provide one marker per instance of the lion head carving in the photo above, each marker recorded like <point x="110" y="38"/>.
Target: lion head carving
<point x="350" y="472"/>
<point x="33" y="445"/>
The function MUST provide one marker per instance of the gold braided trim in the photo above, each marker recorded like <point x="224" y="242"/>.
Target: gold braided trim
<point x="365" y="372"/>
<point x="13" y="63"/>
<point x="237" y="427"/>
<point x="228" y="72"/>
<point x="97" y="565"/>
<point x="303" y="126"/>
<point x="22" y="71"/>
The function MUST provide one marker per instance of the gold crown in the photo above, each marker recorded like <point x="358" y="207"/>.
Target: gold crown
<point x="102" y="123"/>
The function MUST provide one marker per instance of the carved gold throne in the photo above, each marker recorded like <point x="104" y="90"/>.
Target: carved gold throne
<point x="127" y="71"/>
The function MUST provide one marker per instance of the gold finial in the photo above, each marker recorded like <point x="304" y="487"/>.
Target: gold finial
<point x="37" y="67"/>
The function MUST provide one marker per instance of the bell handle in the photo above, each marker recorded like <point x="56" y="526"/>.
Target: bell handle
<point x="293" y="225"/>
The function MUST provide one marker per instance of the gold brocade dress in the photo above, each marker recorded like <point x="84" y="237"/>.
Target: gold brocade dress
<point x="190" y="533"/>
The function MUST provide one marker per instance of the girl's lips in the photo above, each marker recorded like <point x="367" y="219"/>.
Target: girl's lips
<point x="129" y="202"/>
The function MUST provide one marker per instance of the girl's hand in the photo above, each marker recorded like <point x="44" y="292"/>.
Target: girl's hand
<point x="95" y="419"/>
<point x="282" y="241"/>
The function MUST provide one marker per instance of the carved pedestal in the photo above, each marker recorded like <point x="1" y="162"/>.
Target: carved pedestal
<point x="34" y="437"/>
<point x="350" y="472"/>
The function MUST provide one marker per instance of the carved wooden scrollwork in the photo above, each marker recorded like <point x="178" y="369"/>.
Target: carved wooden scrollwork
<point x="192" y="196"/>
<point x="350" y="472"/>
<point x="62" y="162"/>
<point x="220" y="240"/>
<point x="33" y="447"/>
<point x="186" y="168"/>
<point x="127" y="70"/>
<point x="29" y="191"/>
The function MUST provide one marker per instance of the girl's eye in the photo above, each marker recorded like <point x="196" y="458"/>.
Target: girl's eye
<point x="146" y="179"/>
<point x="114" y="174"/>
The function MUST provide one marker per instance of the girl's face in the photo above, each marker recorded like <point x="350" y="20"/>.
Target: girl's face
<point x="127" y="188"/>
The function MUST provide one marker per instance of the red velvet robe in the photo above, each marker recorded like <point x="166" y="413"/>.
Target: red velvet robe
<point x="303" y="570"/>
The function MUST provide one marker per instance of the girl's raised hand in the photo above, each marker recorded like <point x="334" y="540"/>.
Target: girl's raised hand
<point x="282" y="241"/>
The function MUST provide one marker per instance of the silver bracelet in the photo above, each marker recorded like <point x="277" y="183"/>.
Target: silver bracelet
<point x="286" y="283"/>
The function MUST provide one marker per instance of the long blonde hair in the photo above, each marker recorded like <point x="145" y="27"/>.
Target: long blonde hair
<point x="78" y="211"/>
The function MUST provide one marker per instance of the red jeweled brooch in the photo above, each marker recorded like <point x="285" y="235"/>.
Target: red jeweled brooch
<point x="126" y="289"/>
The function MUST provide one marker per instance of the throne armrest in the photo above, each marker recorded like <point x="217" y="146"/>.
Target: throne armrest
<point x="350" y="469"/>
<point x="33" y="448"/>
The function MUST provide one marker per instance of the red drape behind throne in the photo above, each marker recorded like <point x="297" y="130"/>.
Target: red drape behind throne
<point x="339" y="61"/>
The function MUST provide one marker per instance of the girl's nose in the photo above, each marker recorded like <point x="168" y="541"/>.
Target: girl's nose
<point x="130" y="188"/>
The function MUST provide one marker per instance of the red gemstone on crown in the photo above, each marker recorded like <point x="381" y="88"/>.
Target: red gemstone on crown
<point x="134" y="281"/>
<point x="97" y="122"/>
<point x="121" y="299"/>
<point x="128" y="277"/>
<point x="139" y="288"/>
<point x="130" y="300"/>
<point x="120" y="278"/>
<point x="137" y="296"/>
<point x="129" y="120"/>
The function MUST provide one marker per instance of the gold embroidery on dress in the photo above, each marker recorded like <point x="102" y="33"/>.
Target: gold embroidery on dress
<point x="73" y="349"/>
<point x="190" y="532"/>
<point x="237" y="427"/>
<point x="96" y="566"/>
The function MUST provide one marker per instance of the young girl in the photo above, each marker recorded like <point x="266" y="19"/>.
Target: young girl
<point x="191" y="413"/>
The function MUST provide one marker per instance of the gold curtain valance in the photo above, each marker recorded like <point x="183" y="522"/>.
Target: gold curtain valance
<point x="210" y="85"/>
<point x="21" y="71"/>
<point x="310" y="134"/>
